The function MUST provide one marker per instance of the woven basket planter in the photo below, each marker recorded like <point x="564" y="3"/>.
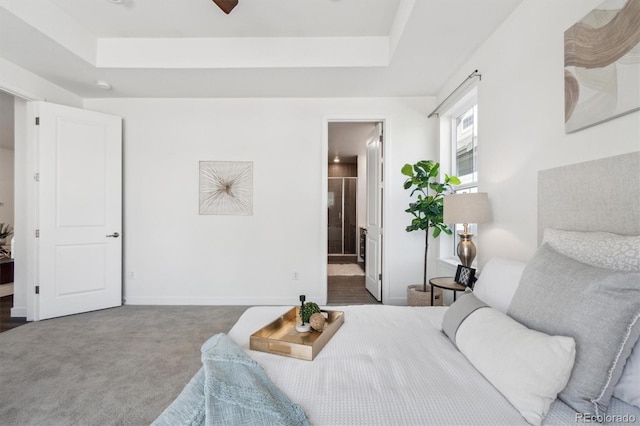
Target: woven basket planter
<point x="417" y="297"/>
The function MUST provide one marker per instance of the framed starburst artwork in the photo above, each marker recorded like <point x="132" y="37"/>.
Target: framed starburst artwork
<point x="226" y="187"/>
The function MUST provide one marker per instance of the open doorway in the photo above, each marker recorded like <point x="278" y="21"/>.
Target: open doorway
<point x="80" y="137"/>
<point x="349" y="277"/>
<point x="7" y="211"/>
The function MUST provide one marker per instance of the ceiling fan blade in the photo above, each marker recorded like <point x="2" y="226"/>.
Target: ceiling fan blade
<point x="226" y="5"/>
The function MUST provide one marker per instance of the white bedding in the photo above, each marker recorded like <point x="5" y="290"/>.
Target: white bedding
<point x="420" y="377"/>
<point x="391" y="365"/>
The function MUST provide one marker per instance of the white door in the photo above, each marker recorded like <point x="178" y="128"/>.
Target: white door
<point x="373" y="252"/>
<point x="79" y="244"/>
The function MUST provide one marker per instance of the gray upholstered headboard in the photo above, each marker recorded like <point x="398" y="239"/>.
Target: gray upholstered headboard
<point x="599" y="195"/>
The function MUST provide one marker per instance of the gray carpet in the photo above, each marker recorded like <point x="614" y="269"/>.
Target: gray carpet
<point x="120" y="366"/>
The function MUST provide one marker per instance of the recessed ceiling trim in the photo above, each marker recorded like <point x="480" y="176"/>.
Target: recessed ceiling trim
<point x="399" y="23"/>
<point x="243" y="52"/>
<point x="55" y="24"/>
<point x="57" y="42"/>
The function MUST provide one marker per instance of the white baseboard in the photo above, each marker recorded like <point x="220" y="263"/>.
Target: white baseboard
<point x="19" y="312"/>
<point x="223" y="301"/>
<point x="397" y="301"/>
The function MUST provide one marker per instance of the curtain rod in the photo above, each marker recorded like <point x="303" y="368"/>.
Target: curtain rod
<point x="474" y="74"/>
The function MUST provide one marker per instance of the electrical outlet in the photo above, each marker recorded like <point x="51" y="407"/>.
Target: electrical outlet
<point x="295" y="275"/>
<point x="132" y="275"/>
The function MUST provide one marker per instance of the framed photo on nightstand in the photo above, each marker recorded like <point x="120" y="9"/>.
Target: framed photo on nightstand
<point x="465" y="276"/>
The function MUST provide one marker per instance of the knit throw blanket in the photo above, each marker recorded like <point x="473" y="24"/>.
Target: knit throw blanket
<point x="230" y="389"/>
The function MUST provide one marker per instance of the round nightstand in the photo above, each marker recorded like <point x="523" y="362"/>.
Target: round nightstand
<point x="446" y="283"/>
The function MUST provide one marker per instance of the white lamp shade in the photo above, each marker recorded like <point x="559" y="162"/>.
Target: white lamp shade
<point x="470" y="207"/>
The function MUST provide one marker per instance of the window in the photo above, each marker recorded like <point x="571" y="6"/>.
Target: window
<point x="464" y="144"/>
<point x="467" y="121"/>
<point x="458" y="156"/>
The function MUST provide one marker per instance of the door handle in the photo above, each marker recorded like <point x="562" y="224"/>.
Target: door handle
<point x="114" y="235"/>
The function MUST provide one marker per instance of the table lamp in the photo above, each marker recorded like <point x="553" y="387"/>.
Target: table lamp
<point x="466" y="208"/>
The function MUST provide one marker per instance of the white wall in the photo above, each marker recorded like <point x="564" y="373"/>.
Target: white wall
<point x="24" y="264"/>
<point x="521" y="121"/>
<point x="180" y="257"/>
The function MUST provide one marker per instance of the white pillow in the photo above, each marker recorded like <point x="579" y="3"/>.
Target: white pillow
<point x="600" y="249"/>
<point x="609" y="251"/>
<point x="528" y="367"/>
<point x="498" y="282"/>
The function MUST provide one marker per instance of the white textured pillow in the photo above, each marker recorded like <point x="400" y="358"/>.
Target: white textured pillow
<point x="498" y="282"/>
<point x="608" y="251"/>
<point x="528" y="367"/>
<point x="600" y="249"/>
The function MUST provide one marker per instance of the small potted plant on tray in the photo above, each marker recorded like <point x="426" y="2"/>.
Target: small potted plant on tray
<point x="306" y="312"/>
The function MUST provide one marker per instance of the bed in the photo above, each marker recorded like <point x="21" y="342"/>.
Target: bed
<point x="567" y="321"/>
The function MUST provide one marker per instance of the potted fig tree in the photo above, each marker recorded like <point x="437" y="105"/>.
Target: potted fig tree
<point x="427" y="212"/>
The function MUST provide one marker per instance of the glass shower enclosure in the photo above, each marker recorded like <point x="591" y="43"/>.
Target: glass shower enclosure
<point x="342" y="217"/>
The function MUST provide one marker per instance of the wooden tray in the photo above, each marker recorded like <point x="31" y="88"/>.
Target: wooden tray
<point x="280" y="336"/>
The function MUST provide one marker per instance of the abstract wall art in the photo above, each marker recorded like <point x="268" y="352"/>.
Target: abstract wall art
<point x="602" y="65"/>
<point x="226" y="187"/>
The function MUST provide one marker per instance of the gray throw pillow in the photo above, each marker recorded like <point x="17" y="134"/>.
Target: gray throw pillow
<point x="466" y="304"/>
<point x="599" y="308"/>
